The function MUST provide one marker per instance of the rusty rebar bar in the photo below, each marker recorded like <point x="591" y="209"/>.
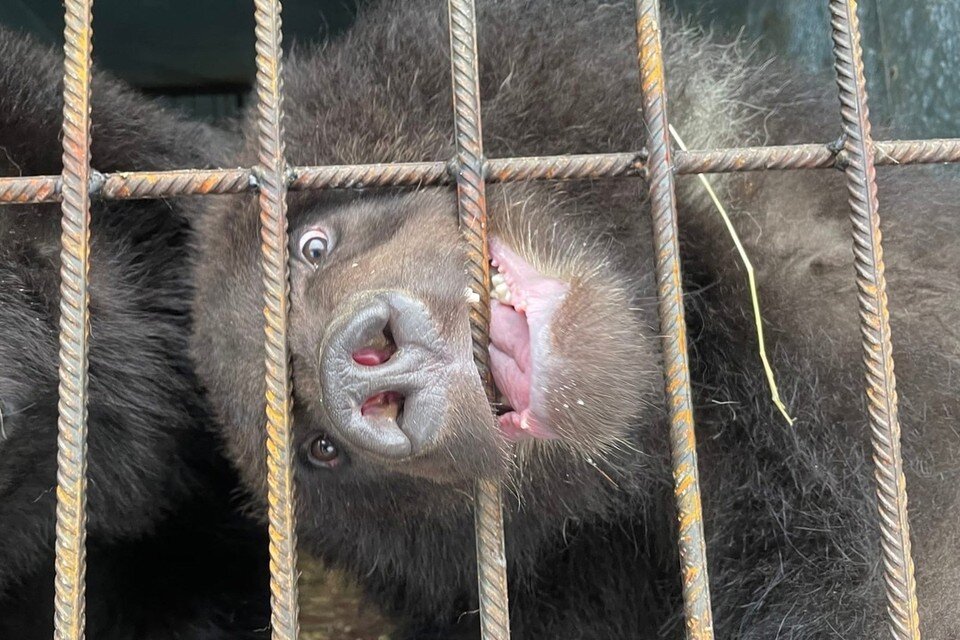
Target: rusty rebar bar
<point x="586" y="166"/>
<point x="693" y="556"/>
<point x="162" y="184"/>
<point x="569" y="167"/>
<point x="471" y="198"/>
<point x="932" y="151"/>
<point x="401" y="174"/>
<point x="30" y="189"/>
<point x="813" y="156"/>
<point x="272" y="178"/>
<point x="800" y="156"/>
<point x="71" y="533"/>
<point x="904" y="620"/>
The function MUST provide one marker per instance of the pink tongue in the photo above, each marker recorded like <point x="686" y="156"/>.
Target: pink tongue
<point x="510" y="353"/>
<point x="513" y="327"/>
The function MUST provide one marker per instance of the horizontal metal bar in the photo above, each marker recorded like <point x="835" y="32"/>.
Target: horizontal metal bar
<point x="132" y="185"/>
<point x="814" y="156"/>
<point x="590" y="166"/>
<point x="124" y="186"/>
<point x="402" y="174"/>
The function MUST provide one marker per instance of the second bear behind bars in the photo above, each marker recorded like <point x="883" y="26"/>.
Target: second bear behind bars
<point x="391" y="424"/>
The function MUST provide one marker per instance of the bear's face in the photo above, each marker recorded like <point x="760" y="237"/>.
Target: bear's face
<point x="380" y="342"/>
<point x="384" y="380"/>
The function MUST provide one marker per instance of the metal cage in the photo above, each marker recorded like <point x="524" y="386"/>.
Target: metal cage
<point x="469" y="170"/>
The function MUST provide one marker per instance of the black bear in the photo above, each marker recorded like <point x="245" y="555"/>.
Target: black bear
<point x="168" y="554"/>
<point x="391" y="424"/>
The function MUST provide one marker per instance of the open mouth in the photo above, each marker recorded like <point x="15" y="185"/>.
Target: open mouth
<point x="522" y="309"/>
<point x="389" y="375"/>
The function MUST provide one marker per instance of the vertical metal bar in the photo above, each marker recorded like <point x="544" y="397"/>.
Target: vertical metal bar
<point x="875" y="324"/>
<point x="69" y="614"/>
<point x="693" y="556"/>
<point x="272" y="175"/>
<point x="488" y="511"/>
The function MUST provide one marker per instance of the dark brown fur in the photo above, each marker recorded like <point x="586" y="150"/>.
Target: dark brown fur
<point x="161" y="523"/>
<point x="790" y="515"/>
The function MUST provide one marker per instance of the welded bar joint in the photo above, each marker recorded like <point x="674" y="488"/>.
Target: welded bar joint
<point x="693" y="556"/>
<point x="272" y="177"/>
<point x="902" y="606"/>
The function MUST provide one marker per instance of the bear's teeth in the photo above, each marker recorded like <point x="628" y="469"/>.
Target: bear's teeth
<point x="501" y="294"/>
<point x="498" y="288"/>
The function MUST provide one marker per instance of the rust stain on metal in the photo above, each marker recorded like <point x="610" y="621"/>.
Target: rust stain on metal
<point x="30" y="189"/>
<point x="568" y="167"/>
<point x="70" y="563"/>
<point x="693" y="561"/>
<point x="902" y="607"/>
<point x="589" y="166"/>
<point x="411" y="174"/>
<point x="488" y="500"/>
<point x="272" y="179"/>
<point x="648" y="22"/>
<point x="160" y="184"/>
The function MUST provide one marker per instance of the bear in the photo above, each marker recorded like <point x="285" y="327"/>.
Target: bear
<point x="170" y="553"/>
<point x="391" y="426"/>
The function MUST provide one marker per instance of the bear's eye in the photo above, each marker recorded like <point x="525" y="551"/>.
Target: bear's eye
<point x="323" y="453"/>
<point x="315" y="245"/>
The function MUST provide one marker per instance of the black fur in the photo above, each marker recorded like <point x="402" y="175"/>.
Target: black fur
<point x="160" y="496"/>
<point x="790" y="514"/>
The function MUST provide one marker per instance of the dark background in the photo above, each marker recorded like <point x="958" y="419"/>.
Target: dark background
<point x="911" y="50"/>
<point x="199" y="53"/>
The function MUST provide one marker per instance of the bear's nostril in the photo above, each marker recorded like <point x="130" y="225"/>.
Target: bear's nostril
<point x="385" y="374"/>
<point x="386" y="404"/>
<point x="371" y="356"/>
<point x="378" y="351"/>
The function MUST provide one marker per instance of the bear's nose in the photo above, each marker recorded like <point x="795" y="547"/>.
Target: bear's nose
<point x="384" y="370"/>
